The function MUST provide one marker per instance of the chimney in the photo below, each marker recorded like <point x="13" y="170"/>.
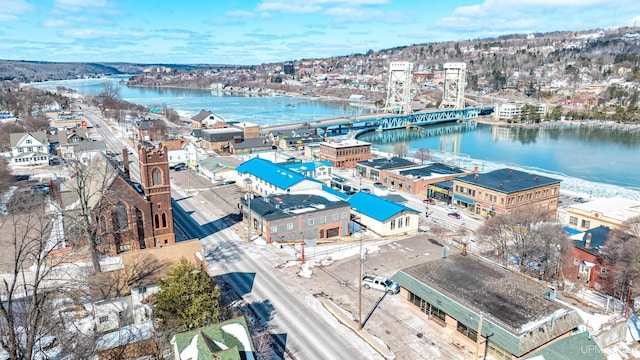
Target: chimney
<point x="537" y="177"/>
<point x="125" y="161"/>
<point x="587" y="242"/>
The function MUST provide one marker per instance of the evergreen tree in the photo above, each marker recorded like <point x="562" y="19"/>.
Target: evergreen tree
<point x="188" y="298"/>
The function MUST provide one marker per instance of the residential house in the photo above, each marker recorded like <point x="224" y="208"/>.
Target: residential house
<point x="228" y="340"/>
<point x="29" y="149"/>
<point x="215" y="169"/>
<point x="505" y="190"/>
<point x="143" y="130"/>
<point x="122" y="311"/>
<point x="292" y="217"/>
<point x="86" y="150"/>
<point x="205" y="119"/>
<point x="585" y="263"/>
<point x="458" y="292"/>
<point x="381" y="216"/>
<point x="345" y="154"/>
<point x="63" y="142"/>
<point x="181" y="151"/>
<point x="607" y="212"/>
<point x="265" y="178"/>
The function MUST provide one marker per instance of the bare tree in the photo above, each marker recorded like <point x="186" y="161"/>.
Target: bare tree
<point x="524" y="234"/>
<point x="28" y="245"/>
<point x="89" y="187"/>
<point x="423" y="154"/>
<point x="400" y="149"/>
<point x="158" y="130"/>
<point x="623" y="251"/>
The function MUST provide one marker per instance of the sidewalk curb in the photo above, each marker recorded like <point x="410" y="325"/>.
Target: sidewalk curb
<point x="364" y="334"/>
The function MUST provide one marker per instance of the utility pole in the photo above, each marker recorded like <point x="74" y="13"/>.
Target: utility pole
<point x="249" y="195"/>
<point x="360" y="285"/>
<point x="478" y="336"/>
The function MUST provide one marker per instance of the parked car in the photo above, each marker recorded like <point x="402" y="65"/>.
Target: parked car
<point x="228" y="182"/>
<point x="378" y="185"/>
<point x="40" y="189"/>
<point x="454" y="215"/>
<point x="380" y="283"/>
<point x="180" y="167"/>
<point x="429" y="201"/>
<point x="366" y="190"/>
<point x="579" y="199"/>
<point x="452" y="209"/>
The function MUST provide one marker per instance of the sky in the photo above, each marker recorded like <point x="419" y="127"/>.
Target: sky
<point x="252" y="32"/>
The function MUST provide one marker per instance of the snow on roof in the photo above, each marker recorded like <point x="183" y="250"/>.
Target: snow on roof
<point x="240" y="333"/>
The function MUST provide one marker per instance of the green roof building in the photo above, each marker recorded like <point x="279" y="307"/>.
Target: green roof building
<point x="518" y="315"/>
<point x="227" y="340"/>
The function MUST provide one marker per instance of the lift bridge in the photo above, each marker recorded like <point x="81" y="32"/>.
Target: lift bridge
<point x="382" y="122"/>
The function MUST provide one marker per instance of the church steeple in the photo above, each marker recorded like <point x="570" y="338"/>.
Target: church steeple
<point x="154" y="178"/>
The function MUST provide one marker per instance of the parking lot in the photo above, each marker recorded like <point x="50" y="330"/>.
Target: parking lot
<point x="399" y="325"/>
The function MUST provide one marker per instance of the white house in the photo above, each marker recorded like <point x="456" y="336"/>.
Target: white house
<point x="181" y="151"/>
<point x="29" y="149"/>
<point x="383" y="217"/>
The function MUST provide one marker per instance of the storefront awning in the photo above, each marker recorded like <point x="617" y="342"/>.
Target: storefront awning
<point x="463" y="199"/>
<point x="440" y="190"/>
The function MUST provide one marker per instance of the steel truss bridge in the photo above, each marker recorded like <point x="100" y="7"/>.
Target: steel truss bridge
<point x="421" y="132"/>
<point x="382" y="122"/>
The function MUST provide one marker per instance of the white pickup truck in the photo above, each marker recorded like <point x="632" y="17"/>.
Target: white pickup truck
<point x="380" y="283"/>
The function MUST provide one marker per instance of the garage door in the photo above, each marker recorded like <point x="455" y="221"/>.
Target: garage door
<point x="333" y="232"/>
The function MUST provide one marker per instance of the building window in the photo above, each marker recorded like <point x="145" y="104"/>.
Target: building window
<point x="585" y="224"/>
<point x="323" y="220"/>
<point x="156" y="177"/>
<point x="290" y="226"/>
<point x="393" y="224"/>
<point x="274" y="229"/>
<point x="399" y="223"/>
<point x="164" y="220"/>
<point x="310" y="222"/>
<point x="343" y="215"/>
<point x="103" y="319"/>
<point x="573" y="220"/>
<point x="334" y="217"/>
<point x="122" y="219"/>
<point x="142" y="290"/>
<point x="125" y="247"/>
<point x="28" y="141"/>
<point x="603" y="271"/>
<point x="576" y="262"/>
<point x="470" y="333"/>
<point x="406" y="221"/>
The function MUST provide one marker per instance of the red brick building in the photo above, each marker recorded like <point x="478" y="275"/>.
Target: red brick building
<point x="584" y="264"/>
<point x="129" y="215"/>
<point x="345" y="154"/>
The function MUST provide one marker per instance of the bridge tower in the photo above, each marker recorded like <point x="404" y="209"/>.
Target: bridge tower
<point x="454" y="83"/>
<point x="399" y="89"/>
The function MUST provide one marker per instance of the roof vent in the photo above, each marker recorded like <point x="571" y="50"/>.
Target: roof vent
<point x="475" y="177"/>
<point x="537" y="177"/>
<point x="510" y="171"/>
<point x="501" y="184"/>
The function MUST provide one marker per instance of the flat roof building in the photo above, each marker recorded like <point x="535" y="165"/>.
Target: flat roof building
<point x="518" y="315"/>
<point x="345" y="153"/>
<point x="504" y="190"/>
<point x="609" y="212"/>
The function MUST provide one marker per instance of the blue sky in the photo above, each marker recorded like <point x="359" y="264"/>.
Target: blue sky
<point x="262" y="31"/>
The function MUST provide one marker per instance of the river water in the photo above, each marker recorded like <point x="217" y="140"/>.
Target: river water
<point x="591" y="160"/>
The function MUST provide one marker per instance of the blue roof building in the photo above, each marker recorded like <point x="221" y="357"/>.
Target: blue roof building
<point x="319" y="170"/>
<point x="382" y="216"/>
<point x="265" y="178"/>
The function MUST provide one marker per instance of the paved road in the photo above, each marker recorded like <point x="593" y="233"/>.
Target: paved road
<point x="293" y="313"/>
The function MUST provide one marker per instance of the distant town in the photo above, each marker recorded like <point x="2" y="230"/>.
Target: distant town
<point x="130" y="232"/>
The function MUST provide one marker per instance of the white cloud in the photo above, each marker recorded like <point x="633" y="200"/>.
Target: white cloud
<point x="310" y="6"/>
<point x="498" y="7"/>
<point x="12" y="8"/>
<point x="240" y="13"/>
<point x="96" y="34"/>
<point x="54" y="23"/>
<point x="79" y="5"/>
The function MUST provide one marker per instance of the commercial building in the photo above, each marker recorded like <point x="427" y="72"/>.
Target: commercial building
<point x="608" y="212"/>
<point x="418" y="180"/>
<point x="264" y="178"/>
<point x="346" y="153"/>
<point x="381" y="216"/>
<point x="505" y="190"/>
<point x="372" y="168"/>
<point x="292" y="217"/>
<point x="518" y="316"/>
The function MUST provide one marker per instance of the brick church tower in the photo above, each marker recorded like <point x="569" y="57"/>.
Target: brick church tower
<point x="154" y="178"/>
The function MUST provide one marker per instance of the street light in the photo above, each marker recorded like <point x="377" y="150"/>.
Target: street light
<point x="249" y="195"/>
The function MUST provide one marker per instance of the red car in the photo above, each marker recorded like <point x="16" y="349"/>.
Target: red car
<point x="429" y="201"/>
<point x="454" y="215"/>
